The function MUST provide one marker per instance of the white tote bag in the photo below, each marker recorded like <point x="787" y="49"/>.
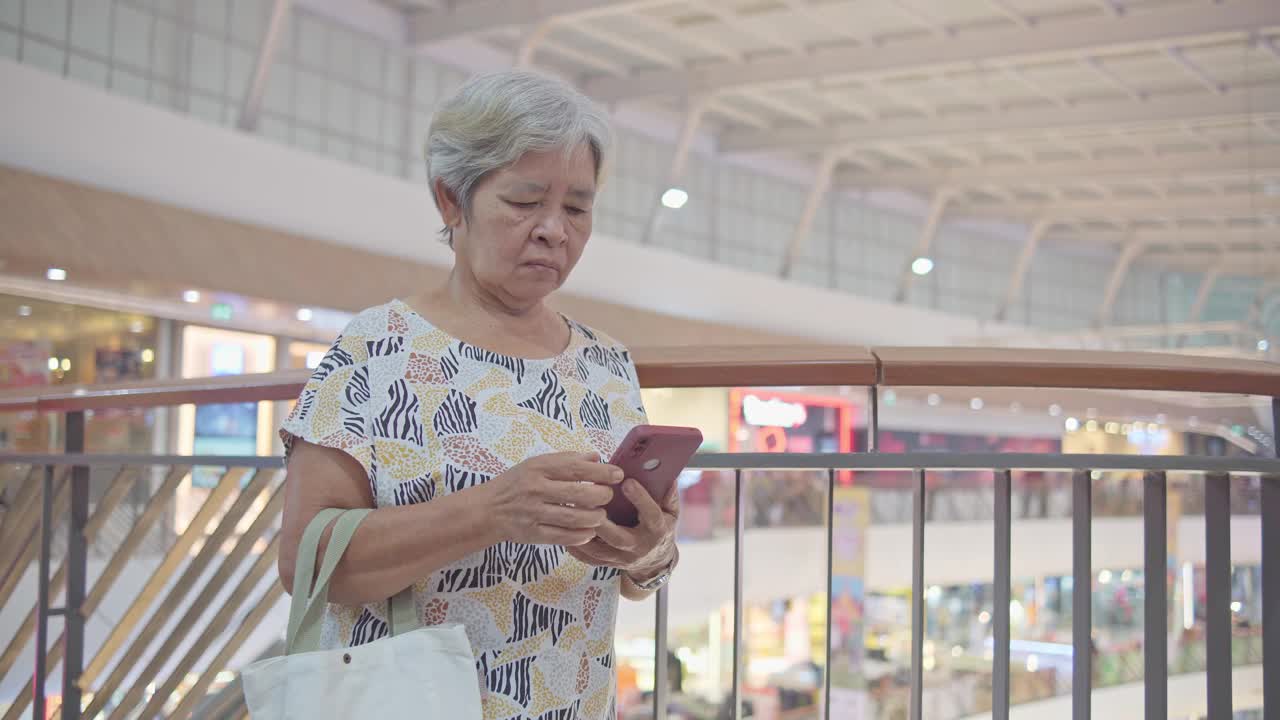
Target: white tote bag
<point x="418" y="672"/>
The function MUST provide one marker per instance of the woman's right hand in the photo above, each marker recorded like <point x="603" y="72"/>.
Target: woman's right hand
<point x="552" y="499"/>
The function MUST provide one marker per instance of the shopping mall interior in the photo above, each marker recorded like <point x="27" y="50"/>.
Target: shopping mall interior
<point x="1068" y="210"/>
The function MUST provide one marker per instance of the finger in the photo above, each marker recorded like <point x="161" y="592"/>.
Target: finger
<point x="651" y="515"/>
<point x="602" y="554"/>
<point x="617" y="537"/>
<point x="573" y="518"/>
<point x="671" y="503"/>
<point x="552" y="535"/>
<point x="578" y="494"/>
<point x="595" y="472"/>
<point x="592" y="553"/>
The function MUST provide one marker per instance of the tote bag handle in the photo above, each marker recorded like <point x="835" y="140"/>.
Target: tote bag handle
<point x="308" y="602"/>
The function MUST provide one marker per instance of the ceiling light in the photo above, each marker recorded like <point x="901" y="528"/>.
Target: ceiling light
<point x="934" y="399"/>
<point x="53" y="363"/>
<point x="1091" y="426"/>
<point x="191" y="296"/>
<point x="1055" y="410"/>
<point x="1015" y="407"/>
<point x="976" y="404"/>
<point x="675" y="198"/>
<point x="1104" y="577"/>
<point x="1264" y="345"/>
<point x="137" y="326"/>
<point x="55" y="274"/>
<point x="148" y="355"/>
<point x="304" y="314"/>
<point x="1072" y="424"/>
<point x="66" y="365"/>
<point x="1112" y="428"/>
<point x="922" y="266"/>
<point x="1236" y="606"/>
<point x="24" y="311"/>
<point x="1193" y="421"/>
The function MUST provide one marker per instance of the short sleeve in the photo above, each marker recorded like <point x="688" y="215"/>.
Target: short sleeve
<point x="634" y="400"/>
<point x="333" y="409"/>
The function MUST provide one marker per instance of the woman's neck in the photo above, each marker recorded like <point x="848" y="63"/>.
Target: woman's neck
<point x="461" y="307"/>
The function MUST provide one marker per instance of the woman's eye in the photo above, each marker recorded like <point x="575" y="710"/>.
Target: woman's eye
<point x="523" y="205"/>
<point x="577" y="211"/>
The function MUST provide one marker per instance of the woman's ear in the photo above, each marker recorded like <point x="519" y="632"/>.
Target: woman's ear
<point x="447" y="202"/>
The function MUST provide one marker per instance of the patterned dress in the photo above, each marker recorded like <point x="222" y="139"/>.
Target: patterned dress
<point x="426" y="414"/>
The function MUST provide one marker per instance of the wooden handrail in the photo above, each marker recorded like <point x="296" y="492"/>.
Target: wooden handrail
<point x="770" y="366"/>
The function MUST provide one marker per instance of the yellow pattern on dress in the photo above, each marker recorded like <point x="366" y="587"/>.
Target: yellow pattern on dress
<point x="596" y="704"/>
<point x="403" y="460"/>
<point x="552" y="588"/>
<point x="434" y="342"/>
<point x="499" y="599"/>
<point x="498" y="707"/>
<point x="326" y="416"/>
<point x="543" y="697"/>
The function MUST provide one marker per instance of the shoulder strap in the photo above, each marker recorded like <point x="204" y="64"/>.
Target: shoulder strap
<point x="308" y="602"/>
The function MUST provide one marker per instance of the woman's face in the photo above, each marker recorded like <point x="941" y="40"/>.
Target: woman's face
<point x="529" y="224"/>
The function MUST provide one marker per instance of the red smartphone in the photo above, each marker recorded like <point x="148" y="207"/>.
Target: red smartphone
<point x="654" y="455"/>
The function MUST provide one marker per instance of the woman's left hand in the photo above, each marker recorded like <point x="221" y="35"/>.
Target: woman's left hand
<point x="642" y="551"/>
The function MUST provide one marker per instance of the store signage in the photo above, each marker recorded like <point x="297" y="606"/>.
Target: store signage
<point x="773" y="412"/>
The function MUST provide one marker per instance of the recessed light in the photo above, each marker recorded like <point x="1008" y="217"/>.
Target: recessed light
<point x="934" y="399"/>
<point x="922" y="266"/>
<point x="304" y="314"/>
<point x="137" y="326"/>
<point x="148" y="355"/>
<point x="24" y="311"/>
<point x="675" y="198"/>
<point x="1072" y="424"/>
<point x="53" y="363"/>
<point x="191" y="296"/>
<point x="1055" y="410"/>
<point x="976" y="404"/>
<point x="55" y="274"/>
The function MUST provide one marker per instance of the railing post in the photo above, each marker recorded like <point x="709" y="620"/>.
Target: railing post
<point x="77" y="559"/>
<point x="1217" y="565"/>
<point x="1156" y="606"/>
<point x="739" y="531"/>
<point x="831" y="541"/>
<point x="917" y="597"/>
<point x="1271" y="579"/>
<point x="661" y="679"/>
<point x="38" y="698"/>
<point x="1081" y="595"/>
<point x="1000" y="599"/>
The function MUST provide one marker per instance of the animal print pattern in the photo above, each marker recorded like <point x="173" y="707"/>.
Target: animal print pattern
<point x="427" y="415"/>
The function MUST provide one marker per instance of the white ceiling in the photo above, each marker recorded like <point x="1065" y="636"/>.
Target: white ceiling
<point x="1130" y="121"/>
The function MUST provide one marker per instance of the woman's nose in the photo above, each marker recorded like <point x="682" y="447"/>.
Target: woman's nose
<point x="551" y="230"/>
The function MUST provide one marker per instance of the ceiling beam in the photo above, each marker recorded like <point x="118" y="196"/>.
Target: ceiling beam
<point x="1051" y="39"/>
<point x="1178" y="237"/>
<point x="1163" y="111"/>
<point x="1230" y="206"/>
<point x="1162" y="167"/>
<point x="482" y="16"/>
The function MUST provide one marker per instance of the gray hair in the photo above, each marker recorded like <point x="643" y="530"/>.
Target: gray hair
<point x="494" y="119"/>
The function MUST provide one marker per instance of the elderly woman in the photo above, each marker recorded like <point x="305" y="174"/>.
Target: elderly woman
<point x="472" y="418"/>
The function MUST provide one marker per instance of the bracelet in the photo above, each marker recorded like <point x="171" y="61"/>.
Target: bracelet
<point x="657" y="581"/>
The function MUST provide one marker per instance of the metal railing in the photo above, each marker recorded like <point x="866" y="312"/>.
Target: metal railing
<point x="141" y="669"/>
